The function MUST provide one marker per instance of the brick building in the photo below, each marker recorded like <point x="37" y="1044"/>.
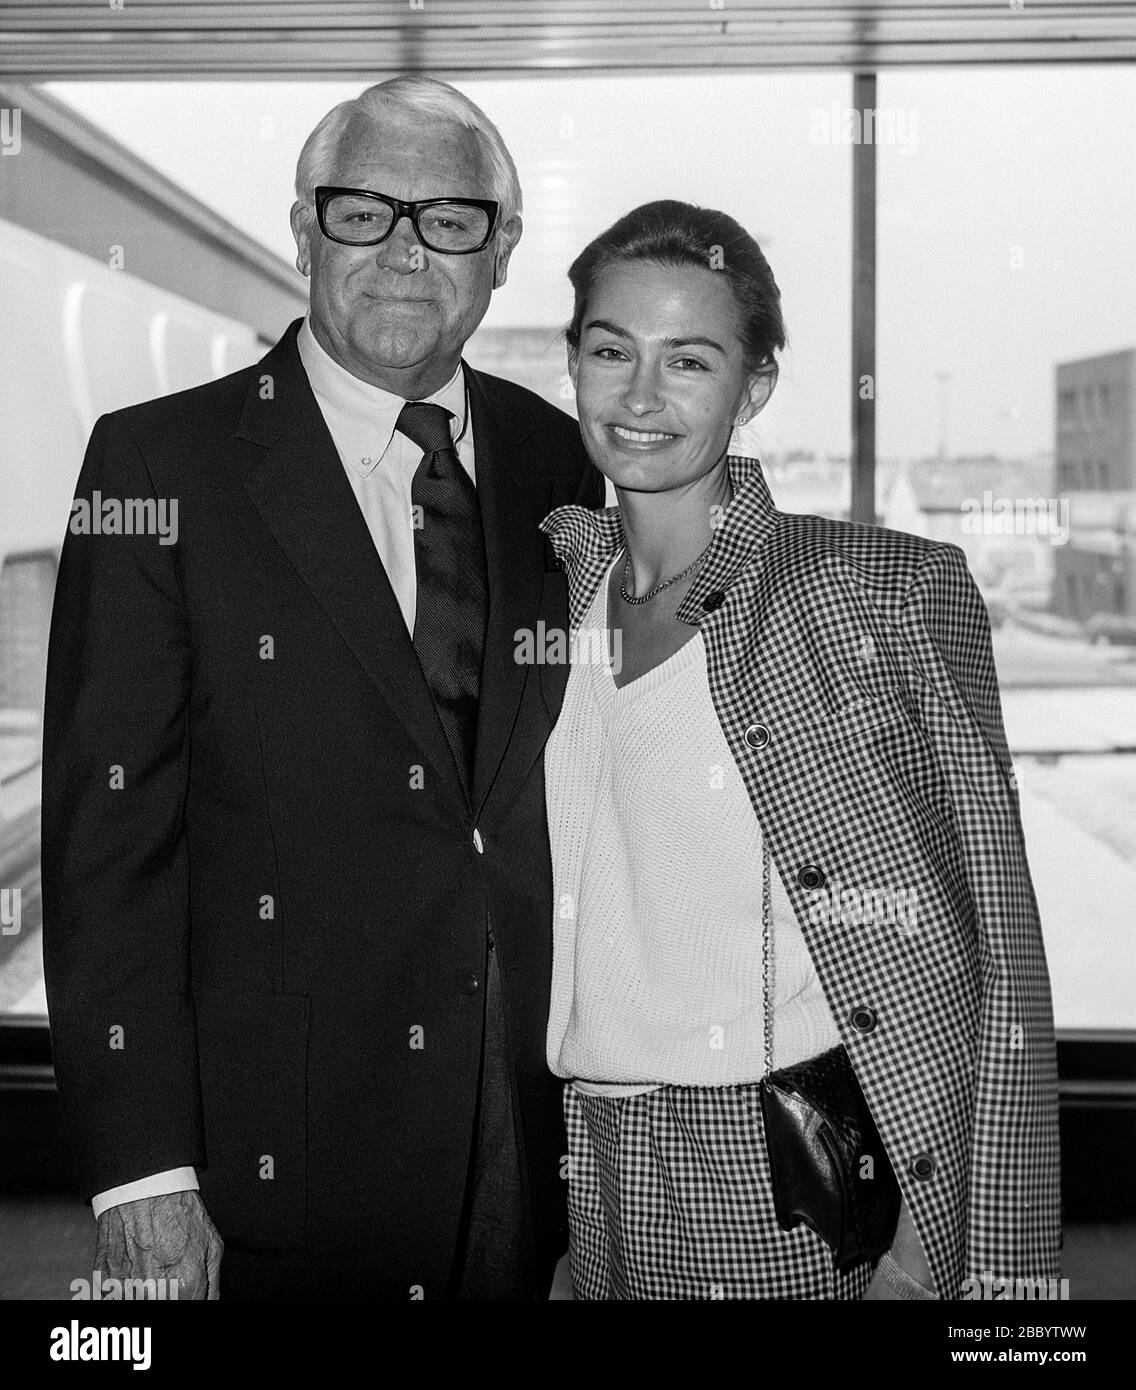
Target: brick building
<point x="1096" y="470"/>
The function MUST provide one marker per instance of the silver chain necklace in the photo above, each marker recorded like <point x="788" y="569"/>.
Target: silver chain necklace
<point x="658" y="589"/>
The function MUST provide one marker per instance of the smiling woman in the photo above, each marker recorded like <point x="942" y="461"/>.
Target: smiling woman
<point x="671" y="344"/>
<point x="694" y="815"/>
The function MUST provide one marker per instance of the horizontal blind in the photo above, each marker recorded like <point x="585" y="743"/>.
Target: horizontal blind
<point x="370" y="39"/>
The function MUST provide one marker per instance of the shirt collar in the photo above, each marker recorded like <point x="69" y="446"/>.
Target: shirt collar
<point x="580" y="533"/>
<point x="585" y="540"/>
<point x="374" y="411"/>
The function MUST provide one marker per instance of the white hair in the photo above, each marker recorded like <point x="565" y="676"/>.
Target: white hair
<point x="425" y="97"/>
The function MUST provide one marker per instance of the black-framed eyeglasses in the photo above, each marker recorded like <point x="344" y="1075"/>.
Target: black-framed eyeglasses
<point x="358" y="217"/>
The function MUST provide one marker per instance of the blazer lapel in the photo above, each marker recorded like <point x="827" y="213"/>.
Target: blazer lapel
<point x="297" y="482"/>
<point x="515" y="495"/>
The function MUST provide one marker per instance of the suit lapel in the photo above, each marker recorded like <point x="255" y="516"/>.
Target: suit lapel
<point x="515" y="495"/>
<point x="297" y="482"/>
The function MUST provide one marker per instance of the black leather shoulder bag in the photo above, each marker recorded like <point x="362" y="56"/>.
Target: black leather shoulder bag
<point x="818" y="1134"/>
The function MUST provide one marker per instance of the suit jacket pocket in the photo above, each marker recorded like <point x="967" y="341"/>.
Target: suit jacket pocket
<point x="252" y="1055"/>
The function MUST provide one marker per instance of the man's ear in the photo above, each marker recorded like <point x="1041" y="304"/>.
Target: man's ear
<point x="506" y="240"/>
<point x="302" y="218"/>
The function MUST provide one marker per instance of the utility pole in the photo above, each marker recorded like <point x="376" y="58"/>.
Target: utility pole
<point x="864" y="385"/>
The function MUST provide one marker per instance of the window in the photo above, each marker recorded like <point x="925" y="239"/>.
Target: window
<point x="1007" y="319"/>
<point x="27" y="584"/>
<point x="1003" y="238"/>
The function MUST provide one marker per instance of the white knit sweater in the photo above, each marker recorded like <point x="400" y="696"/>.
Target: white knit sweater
<point x="656" y="860"/>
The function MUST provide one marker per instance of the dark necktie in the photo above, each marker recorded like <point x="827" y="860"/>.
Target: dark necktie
<point x="453" y="593"/>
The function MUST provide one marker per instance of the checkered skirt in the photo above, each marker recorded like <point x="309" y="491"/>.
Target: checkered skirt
<point x="669" y="1197"/>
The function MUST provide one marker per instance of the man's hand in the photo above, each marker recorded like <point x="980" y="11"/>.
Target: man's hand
<point x="169" y="1237"/>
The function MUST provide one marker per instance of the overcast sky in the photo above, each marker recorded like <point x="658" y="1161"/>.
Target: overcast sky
<point x="1007" y="215"/>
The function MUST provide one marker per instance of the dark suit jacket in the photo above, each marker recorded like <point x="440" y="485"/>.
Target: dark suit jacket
<point x="265" y="913"/>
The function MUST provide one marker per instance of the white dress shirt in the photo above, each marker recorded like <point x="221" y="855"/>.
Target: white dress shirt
<point x="380" y="464"/>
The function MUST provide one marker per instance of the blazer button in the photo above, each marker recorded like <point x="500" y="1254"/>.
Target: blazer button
<point x="757" y="736"/>
<point x="714" y="599"/>
<point x="809" y="876"/>
<point x="468" y="984"/>
<point x="863" y="1019"/>
<point x="477" y="842"/>
<point x="923" y="1167"/>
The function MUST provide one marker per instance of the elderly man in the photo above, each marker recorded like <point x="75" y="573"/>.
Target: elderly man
<point x="296" y="877"/>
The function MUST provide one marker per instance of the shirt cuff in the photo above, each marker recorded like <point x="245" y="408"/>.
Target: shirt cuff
<point x="158" y="1185"/>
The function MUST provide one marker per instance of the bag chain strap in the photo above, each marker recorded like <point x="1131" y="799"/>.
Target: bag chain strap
<point x="766" y="935"/>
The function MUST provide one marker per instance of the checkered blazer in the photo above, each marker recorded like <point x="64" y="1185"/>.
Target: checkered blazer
<point x="853" y="677"/>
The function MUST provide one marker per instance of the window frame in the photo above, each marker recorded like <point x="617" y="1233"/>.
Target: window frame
<point x="1097" y="1070"/>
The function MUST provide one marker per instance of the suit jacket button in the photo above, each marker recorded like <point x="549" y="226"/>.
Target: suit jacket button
<point x="863" y="1019"/>
<point x="468" y="984"/>
<point x="757" y="736"/>
<point x="477" y="844"/>
<point x="714" y="599"/>
<point x="923" y="1166"/>
<point x="809" y="876"/>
